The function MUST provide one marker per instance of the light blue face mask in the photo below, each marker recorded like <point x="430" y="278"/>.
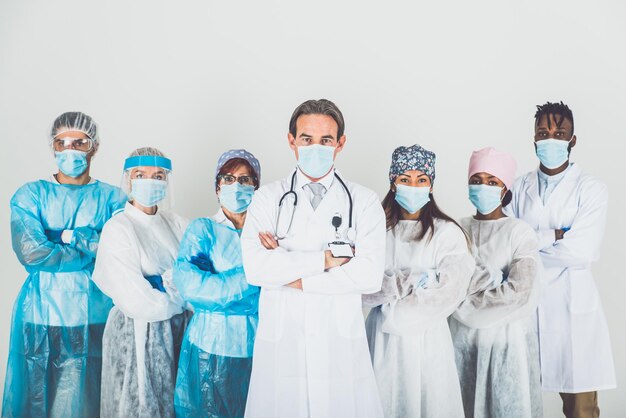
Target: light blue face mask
<point x="316" y="160"/>
<point x="71" y="162"/>
<point x="485" y="198"/>
<point x="412" y="198"/>
<point x="236" y="197"/>
<point x="148" y="192"/>
<point x="553" y="153"/>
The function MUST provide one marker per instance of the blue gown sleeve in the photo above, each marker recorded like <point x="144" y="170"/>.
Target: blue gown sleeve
<point x="205" y="289"/>
<point x="30" y="243"/>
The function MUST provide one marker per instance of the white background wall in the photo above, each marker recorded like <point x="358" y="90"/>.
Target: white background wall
<point x="194" y="78"/>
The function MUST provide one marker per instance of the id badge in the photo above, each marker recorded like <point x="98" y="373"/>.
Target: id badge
<point x="340" y="249"/>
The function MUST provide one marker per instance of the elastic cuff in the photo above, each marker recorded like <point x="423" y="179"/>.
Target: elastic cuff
<point x="67" y="236"/>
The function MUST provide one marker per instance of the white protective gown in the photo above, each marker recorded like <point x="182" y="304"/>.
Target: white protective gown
<point x="145" y="327"/>
<point x="310" y="354"/>
<point x="575" y="349"/>
<point x="407" y="329"/>
<point x="494" y="330"/>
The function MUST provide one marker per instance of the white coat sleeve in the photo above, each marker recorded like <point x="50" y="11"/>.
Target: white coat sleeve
<point x="278" y="267"/>
<point x="363" y="274"/>
<point x="513" y="299"/>
<point x="395" y="286"/>
<point x="580" y="245"/>
<point x="455" y="266"/>
<point x="118" y="274"/>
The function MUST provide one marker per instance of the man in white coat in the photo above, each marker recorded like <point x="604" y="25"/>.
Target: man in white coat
<point x="311" y="356"/>
<point x="568" y="210"/>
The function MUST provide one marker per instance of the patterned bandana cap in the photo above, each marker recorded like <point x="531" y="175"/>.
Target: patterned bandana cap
<point x="414" y="157"/>
<point x="244" y="155"/>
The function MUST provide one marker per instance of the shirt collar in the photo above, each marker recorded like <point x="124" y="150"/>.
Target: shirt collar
<point x="54" y="180"/>
<point x="555" y="178"/>
<point x="220" y="218"/>
<point x="139" y="215"/>
<point x="326" y="181"/>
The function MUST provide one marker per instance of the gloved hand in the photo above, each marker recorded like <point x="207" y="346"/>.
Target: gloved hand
<point x="54" y="236"/>
<point x="203" y="262"/>
<point x="156" y="282"/>
<point x="425" y="278"/>
<point x="497" y="277"/>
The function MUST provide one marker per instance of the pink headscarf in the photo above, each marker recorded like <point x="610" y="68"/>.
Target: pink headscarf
<point x="497" y="163"/>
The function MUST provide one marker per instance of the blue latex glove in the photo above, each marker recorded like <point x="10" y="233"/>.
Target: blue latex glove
<point x="565" y="229"/>
<point x="203" y="262"/>
<point x="54" y="236"/>
<point x="156" y="282"/>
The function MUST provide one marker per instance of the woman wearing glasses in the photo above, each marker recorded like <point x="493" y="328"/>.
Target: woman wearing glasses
<point x="216" y="357"/>
<point x="58" y="319"/>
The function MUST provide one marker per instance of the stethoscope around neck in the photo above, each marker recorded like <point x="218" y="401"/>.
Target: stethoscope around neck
<point x="295" y="203"/>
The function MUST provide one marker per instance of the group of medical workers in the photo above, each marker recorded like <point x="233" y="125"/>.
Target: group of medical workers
<point x="129" y="310"/>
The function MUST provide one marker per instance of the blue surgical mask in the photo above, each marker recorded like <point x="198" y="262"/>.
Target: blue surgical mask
<point x="71" y="162"/>
<point x="148" y="192"/>
<point x="552" y="152"/>
<point x="236" y="197"/>
<point x="412" y="198"/>
<point x="485" y="198"/>
<point x="316" y="160"/>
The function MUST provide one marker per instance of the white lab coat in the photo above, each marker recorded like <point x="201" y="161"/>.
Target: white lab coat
<point x="574" y="340"/>
<point x="408" y="333"/>
<point x="311" y="357"/>
<point x="493" y="330"/>
<point x="144" y="329"/>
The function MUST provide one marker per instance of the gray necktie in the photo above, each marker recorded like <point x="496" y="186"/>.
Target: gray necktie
<point x="318" y="193"/>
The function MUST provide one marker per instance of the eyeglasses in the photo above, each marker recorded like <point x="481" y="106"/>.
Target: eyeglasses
<point x="80" y="144"/>
<point x="243" y="180"/>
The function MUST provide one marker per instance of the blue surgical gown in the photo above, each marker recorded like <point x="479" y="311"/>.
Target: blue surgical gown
<point x="216" y="355"/>
<point x="58" y="318"/>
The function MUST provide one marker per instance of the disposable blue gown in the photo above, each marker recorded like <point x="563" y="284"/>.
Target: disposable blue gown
<point x="55" y="353"/>
<point x="216" y="356"/>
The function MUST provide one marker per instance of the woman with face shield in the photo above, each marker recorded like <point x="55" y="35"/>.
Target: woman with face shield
<point x="216" y="358"/>
<point x="493" y="329"/>
<point x="428" y="268"/>
<point x="55" y="354"/>
<point x="134" y="267"/>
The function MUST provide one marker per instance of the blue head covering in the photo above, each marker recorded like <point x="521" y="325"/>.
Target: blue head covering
<point x="244" y="155"/>
<point x="414" y="157"/>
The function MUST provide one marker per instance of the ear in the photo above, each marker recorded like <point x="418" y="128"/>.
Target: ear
<point x="573" y="143"/>
<point x="292" y="142"/>
<point x="341" y="142"/>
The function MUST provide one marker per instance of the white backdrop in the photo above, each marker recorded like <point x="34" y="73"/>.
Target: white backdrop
<point x="195" y="78"/>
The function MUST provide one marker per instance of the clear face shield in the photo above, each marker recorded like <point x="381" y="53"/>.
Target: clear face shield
<point x="147" y="181"/>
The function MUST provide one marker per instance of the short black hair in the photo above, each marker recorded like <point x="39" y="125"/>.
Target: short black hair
<point x="554" y="109"/>
<point x="318" y="107"/>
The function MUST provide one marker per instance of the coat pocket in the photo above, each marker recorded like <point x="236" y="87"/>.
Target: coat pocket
<point x="271" y="310"/>
<point x="583" y="292"/>
<point x="349" y="316"/>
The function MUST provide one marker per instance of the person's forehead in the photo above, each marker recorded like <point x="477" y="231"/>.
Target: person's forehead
<point x="413" y="173"/>
<point x="316" y="122"/>
<point x="551" y="121"/>
<point x="148" y="169"/>
<point x="72" y="134"/>
<point x="239" y="169"/>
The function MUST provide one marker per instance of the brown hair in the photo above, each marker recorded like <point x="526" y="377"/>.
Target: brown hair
<point x="232" y="165"/>
<point x="429" y="212"/>
<point x="318" y="107"/>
